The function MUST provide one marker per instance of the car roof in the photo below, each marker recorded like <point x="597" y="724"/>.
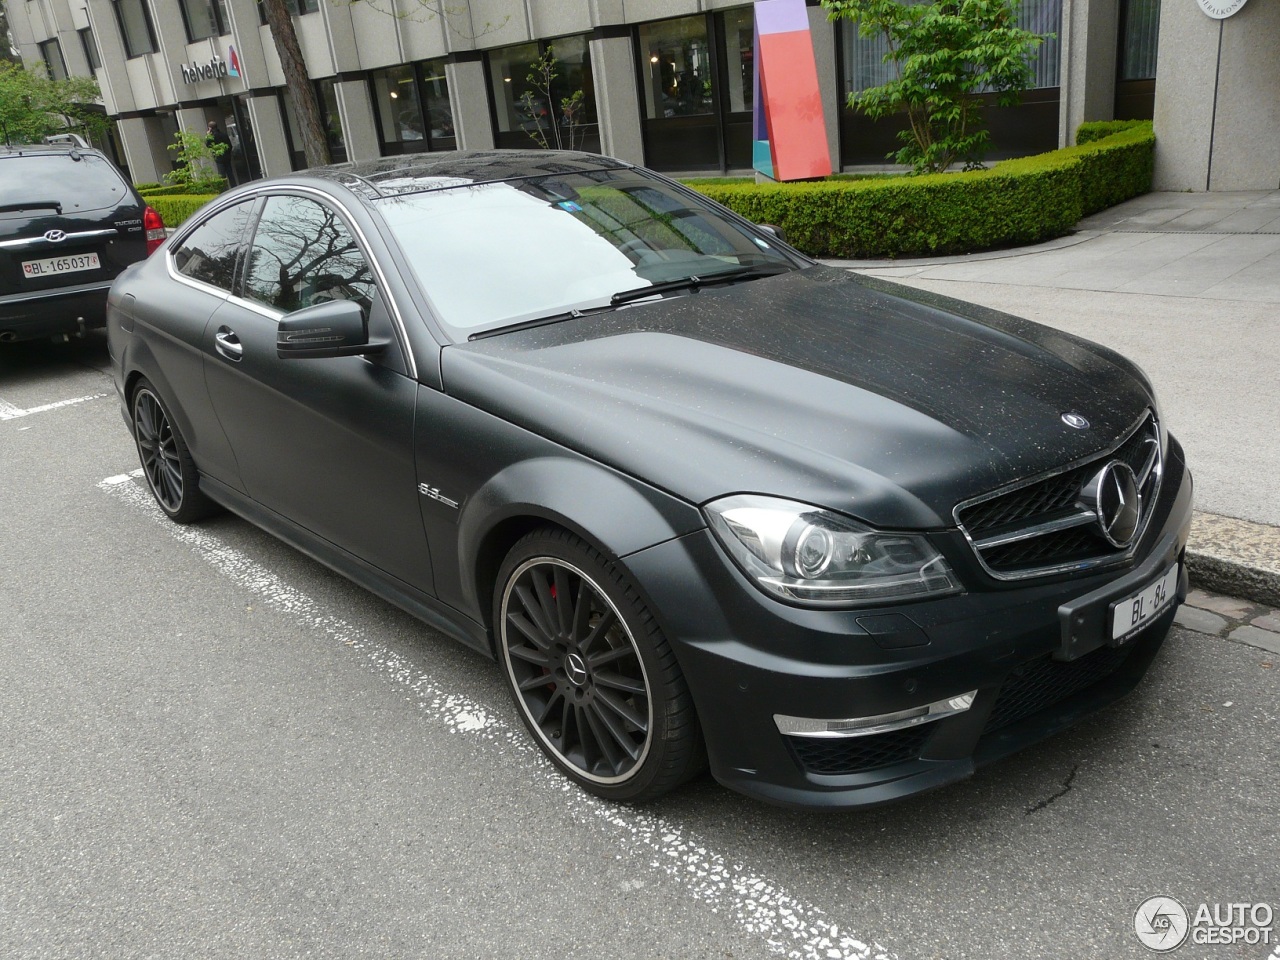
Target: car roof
<point x="45" y="149"/>
<point x="417" y="172"/>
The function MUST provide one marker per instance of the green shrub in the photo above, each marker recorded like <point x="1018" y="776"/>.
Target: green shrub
<point x="1101" y="129"/>
<point x="1019" y="201"/>
<point x="149" y="185"/>
<point x="176" y="209"/>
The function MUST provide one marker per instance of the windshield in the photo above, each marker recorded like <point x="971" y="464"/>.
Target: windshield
<point x="502" y="253"/>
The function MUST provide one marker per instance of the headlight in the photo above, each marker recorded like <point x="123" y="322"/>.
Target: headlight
<point x="807" y="555"/>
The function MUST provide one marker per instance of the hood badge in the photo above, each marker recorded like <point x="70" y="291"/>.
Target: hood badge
<point x="1075" y="421"/>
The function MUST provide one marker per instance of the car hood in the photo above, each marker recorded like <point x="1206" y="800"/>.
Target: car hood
<point x="883" y="402"/>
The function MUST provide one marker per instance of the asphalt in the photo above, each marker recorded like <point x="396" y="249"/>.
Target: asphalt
<point x="1188" y="286"/>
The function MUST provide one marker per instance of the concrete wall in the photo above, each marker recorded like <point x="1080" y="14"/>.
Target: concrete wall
<point x="1217" y="113"/>
<point x="1090" y="30"/>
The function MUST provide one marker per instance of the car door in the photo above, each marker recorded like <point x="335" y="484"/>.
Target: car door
<point x="324" y="442"/>
<point x="171" y="321"/>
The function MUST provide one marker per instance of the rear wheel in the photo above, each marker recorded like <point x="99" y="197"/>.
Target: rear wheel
<point x="166" y="462"/>
<point x="594" y="678"/>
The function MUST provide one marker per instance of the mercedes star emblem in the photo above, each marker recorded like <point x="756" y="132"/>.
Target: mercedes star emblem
<point x="576" y="667"/>
<point x="1113" y="497"/>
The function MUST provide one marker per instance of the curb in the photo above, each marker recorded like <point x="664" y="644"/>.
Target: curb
<point x="1236" y="557"/>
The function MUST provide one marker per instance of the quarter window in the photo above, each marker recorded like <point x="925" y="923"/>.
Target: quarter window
<point x="303" y="254"/>
<point x="209" y="253"/>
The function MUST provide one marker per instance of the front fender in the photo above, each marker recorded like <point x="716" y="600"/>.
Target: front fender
<point x="614" y="512"/>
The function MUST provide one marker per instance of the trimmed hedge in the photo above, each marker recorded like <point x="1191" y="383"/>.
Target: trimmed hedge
<point x="164" y="191"/>
<point x="1099" y="129"/>
<point x="1016" y="202"/>
<point x="176" y="208"/>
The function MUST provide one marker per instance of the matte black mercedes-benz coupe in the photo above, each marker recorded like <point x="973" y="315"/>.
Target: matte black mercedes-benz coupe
<point x="702" y="499"/>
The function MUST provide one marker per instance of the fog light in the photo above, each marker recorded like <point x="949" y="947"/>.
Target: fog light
<point x="881" y="723"/>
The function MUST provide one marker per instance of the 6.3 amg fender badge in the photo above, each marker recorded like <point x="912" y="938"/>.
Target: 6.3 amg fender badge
<point x="435" y="494"/>
<point x="1113" y="497"/>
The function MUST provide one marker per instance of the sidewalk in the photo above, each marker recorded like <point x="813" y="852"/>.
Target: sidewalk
<point x="1187" y="285"/>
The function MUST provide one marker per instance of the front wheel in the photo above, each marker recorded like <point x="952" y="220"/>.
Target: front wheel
<point x="594" y="679"/>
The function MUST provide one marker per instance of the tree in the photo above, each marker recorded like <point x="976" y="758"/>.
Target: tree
<point x="196" y="156"/>
<point x="537" y="106"/>
<point x="315" y="142"/>
<point x="946" y="55"/>
<point x="32" y="106"/>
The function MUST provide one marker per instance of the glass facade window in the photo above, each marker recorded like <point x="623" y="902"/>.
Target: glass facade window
<point x="697" y="74"/>
<point x="331" y="119"/>
<point x="1139" y="39"/>
<point x="527" y="114"/>
<point x="413" y="111"/>
<point x="205" y="18"/>
<point x="136" y="31"/>
<point x="90" y="48"/>
<point x="51" y="53"/>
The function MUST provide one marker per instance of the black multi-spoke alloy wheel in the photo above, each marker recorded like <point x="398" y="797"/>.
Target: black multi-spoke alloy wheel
<point x="595" y="680"/>
<point x="166" y="462"/>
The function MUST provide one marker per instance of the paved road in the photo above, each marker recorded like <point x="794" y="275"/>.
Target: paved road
<point x="216" y="748"/>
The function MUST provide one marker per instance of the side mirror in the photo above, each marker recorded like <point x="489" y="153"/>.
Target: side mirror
<point x="335" y="328"/>
<point x="775" y="230"/>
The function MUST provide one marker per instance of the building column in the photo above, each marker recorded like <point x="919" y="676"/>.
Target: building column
<point x="141" y="151"/>
<point x="618" y="108"/>
<point x="1090" y="33"/>
<point x="356" y="109"/>
<point x="268" y="133"/>
<point x="469" y="99"/>
<point x="1217" y="113"/>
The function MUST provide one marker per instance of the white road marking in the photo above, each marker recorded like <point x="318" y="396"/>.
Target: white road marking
<point x="787" y="925"/>
<point x="10" y="412"/>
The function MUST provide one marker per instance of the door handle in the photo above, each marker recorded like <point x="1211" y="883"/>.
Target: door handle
<point x="228" y="344"/>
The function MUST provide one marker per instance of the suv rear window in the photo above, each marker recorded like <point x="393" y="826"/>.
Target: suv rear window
<point x="90" y="183"/>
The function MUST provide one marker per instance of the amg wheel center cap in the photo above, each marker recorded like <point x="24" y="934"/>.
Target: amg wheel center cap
<point x="576" y="668"/>
<point x="1113" y="496"/>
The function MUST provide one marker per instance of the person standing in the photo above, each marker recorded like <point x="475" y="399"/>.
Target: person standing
<point x="216" y="136"/>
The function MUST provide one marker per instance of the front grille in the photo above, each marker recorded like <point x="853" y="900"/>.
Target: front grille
<point x="1043" y="682"/>
<point x="1044" y="527"/>
<point x="833" y="756"/>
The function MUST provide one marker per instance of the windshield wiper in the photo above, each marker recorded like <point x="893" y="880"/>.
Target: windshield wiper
<point x="693" y="283"/>
<point x="571" y="314"/>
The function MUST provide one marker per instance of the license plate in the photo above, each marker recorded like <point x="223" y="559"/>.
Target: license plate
<point x="1131" y="614"/>
<point x="68" y="264"/>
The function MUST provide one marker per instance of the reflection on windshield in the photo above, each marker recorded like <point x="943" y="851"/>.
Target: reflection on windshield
<point x="501" y="253"/>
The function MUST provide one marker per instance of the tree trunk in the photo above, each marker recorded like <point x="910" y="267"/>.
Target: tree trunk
<point x="315" y="141"/>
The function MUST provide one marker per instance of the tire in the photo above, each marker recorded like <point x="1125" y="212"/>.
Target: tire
<point x="592" y="676"/>
<point x="166" y="462"/>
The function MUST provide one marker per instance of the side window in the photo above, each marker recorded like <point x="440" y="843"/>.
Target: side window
<point x="303" y="254"/>
<point x="209" y="253"/>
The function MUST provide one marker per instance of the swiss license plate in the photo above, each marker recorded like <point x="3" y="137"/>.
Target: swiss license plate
<point x="67" y="264"/>
<point x="1131" y="614"/>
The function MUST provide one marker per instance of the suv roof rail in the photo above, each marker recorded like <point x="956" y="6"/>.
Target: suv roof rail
<point x="67" y="139"/>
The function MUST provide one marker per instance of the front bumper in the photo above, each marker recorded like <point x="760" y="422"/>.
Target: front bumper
<point x="749" y="658"/>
